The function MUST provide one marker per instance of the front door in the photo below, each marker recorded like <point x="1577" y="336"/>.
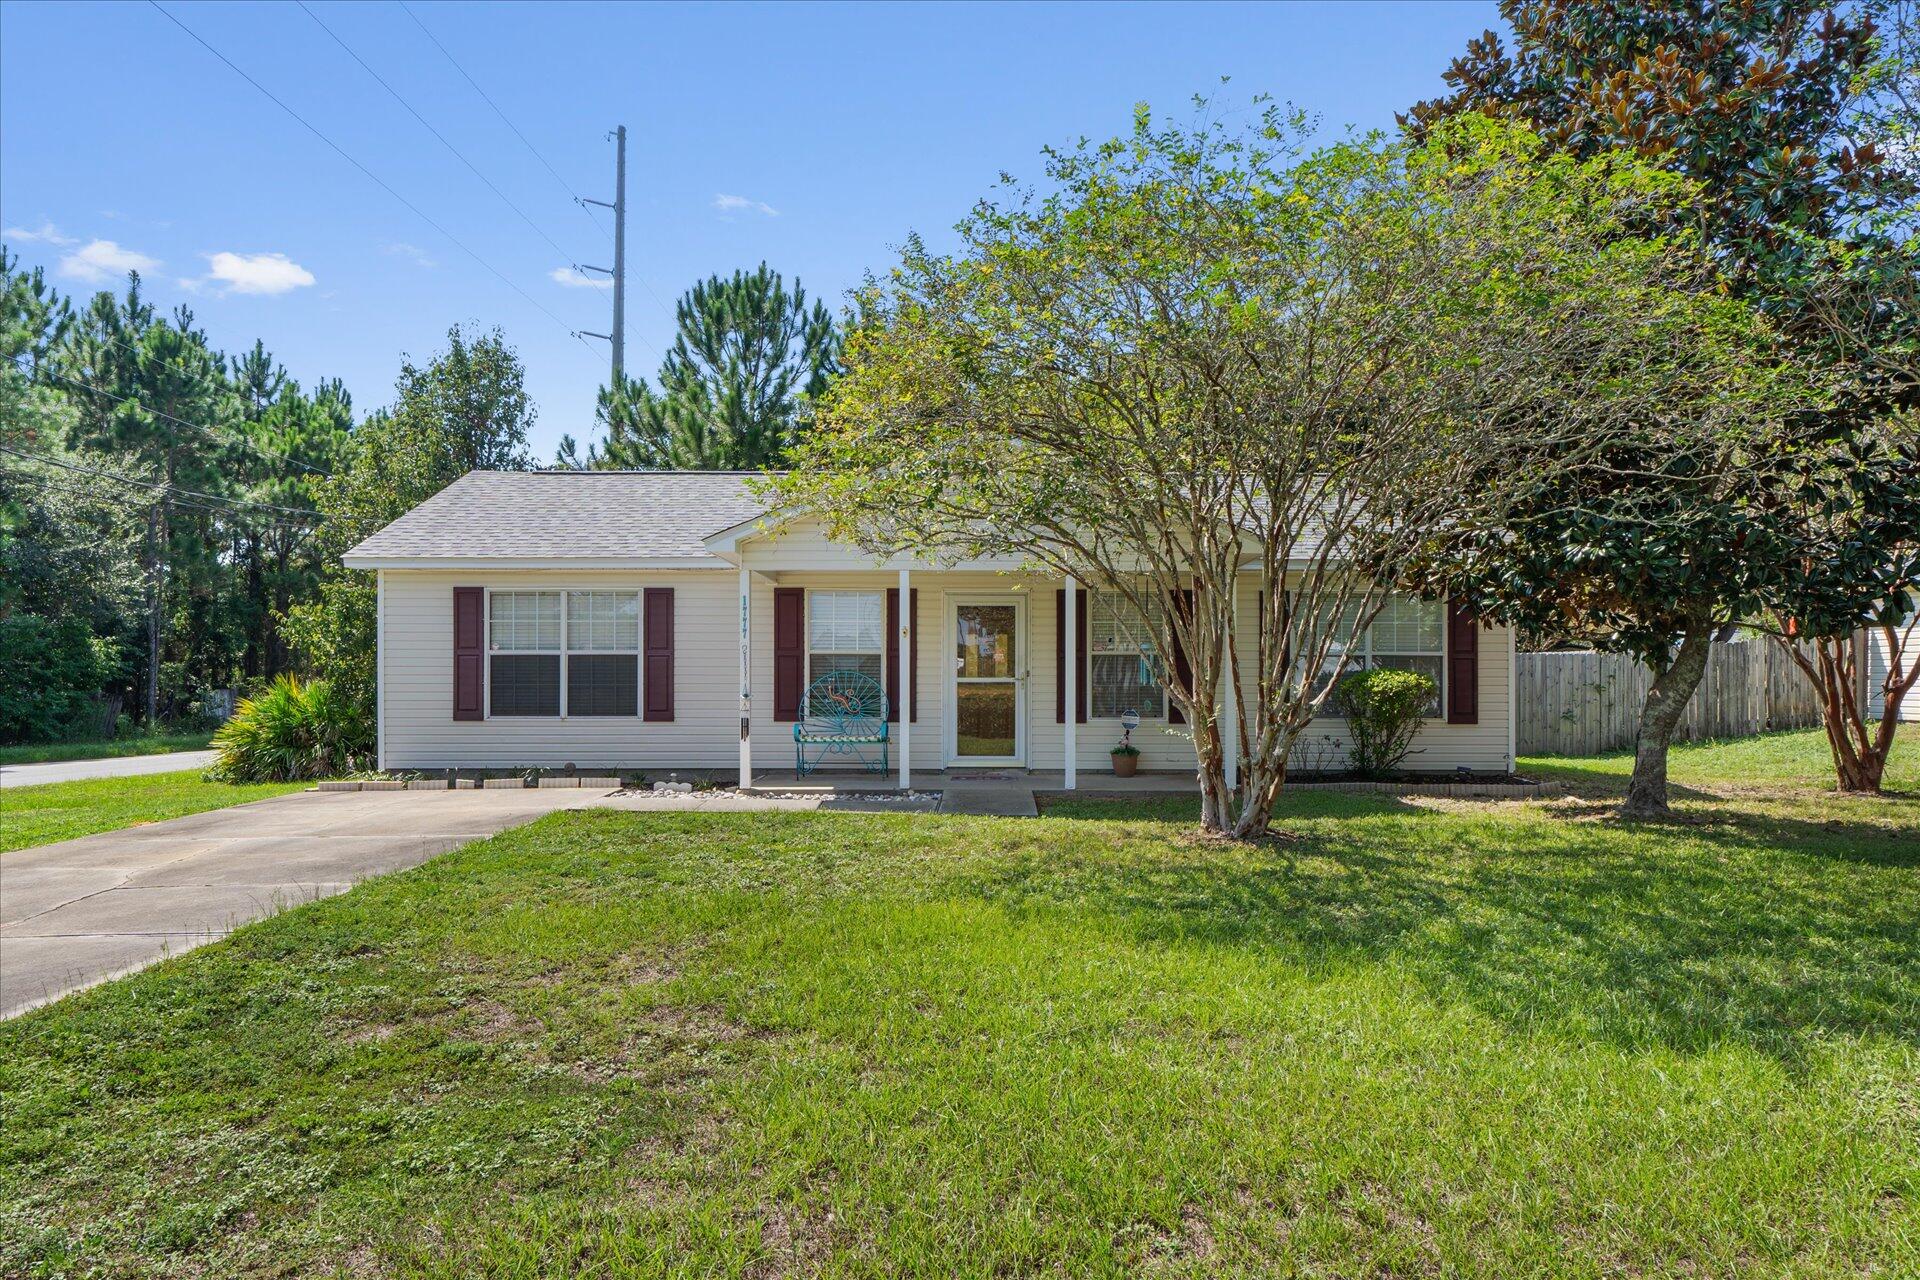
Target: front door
<point x="989" y="682"/>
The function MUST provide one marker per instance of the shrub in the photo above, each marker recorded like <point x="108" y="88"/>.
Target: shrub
<point x="1384" y="709"/>
<point x="289" y="733"/>
<point x="54" y="668"/>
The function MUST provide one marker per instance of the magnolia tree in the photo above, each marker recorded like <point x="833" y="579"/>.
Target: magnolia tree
<point x="1207" y="359"/>
<point x="1847" y="604"/>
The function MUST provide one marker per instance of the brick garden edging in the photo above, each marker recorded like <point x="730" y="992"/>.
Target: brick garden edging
<point x="464" y="784"/>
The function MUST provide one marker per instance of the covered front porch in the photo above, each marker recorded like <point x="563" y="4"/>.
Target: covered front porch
<point x="976" y="656"/>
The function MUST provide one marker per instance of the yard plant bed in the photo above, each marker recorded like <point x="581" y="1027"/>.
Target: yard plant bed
<point x="1420" y="1038"/>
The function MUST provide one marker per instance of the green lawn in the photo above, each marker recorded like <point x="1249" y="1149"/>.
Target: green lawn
<point x="1417" y="1039"/>
<point x="63" y="810"/>
<point x="148" y="745"/>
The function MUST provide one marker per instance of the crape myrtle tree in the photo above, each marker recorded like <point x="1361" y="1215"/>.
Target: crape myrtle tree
<point x="1788" y="114"/>
<point x="1208" y="352"/>
<point x="750" y="359"/>
<point x="1853" y="578"/>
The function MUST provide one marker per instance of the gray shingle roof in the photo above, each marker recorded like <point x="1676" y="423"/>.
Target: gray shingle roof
<point x="569" y="515"/>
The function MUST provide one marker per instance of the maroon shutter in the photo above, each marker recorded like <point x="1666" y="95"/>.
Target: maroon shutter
<point x="1060" y="657"/>
<point x="1463" y="665"/>
<point x="789" y="650"/>
<point x="893" y="653"/>
<point x="469" y="656"/>
<point x="656" y="642"/>
<point x="1182" y="669"/>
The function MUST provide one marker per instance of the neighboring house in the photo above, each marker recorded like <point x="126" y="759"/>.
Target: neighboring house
<point x="659" y="621"/>
<point x="1879" y="655"/>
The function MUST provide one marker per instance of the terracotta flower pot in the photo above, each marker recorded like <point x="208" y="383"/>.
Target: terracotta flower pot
<point x="1124" y="766"/>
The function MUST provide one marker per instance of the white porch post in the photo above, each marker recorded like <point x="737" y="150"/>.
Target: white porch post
<point x="905" y="658"/>
<point x="1069" y="694"/>
<point x="746" y="679"/>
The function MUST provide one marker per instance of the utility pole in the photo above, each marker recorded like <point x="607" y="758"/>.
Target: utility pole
<point x="618" y="338"/>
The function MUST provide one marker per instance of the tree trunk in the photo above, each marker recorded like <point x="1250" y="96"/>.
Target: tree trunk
<point x="1667" y="700"/>
<point x="1859" y="752"/>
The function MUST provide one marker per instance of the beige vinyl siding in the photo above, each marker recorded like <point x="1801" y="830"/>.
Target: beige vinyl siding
<point x="421" y="732"/>
<point x="417" y="675"/>
<point x="1878" y="658"/>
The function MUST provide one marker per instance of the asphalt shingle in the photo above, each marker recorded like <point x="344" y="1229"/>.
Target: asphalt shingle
<point x="552" y="515"/>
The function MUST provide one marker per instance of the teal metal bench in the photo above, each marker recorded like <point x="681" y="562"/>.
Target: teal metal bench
<point x="844" y="714"/>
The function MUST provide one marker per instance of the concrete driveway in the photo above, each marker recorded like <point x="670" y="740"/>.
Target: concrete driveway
<point x="82" y="911"/>
<point x="32" y="775"/>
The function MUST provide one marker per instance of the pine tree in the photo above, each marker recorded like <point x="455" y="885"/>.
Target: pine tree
<point x="738" y="388"/>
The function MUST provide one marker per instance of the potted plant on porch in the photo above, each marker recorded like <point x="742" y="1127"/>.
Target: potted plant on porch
<point x="1126" y="756"/>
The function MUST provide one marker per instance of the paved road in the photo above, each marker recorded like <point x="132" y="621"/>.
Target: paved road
<point x="81" y="911"/>
<point x="29" y="775"/>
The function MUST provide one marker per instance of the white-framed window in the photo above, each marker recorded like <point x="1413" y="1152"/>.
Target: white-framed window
<point x="523" y="653"/>
<point x="1124" y="666"/>
<point x="1408" y="634"/>
<point x="572" y="653"/>
<point x="603" y="653"/>
<point x="846" y="631"/>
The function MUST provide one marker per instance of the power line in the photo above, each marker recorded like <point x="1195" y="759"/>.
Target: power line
<point x="48" y="482"/>
<point x="212" y="433"/>
<point x="484" y="97"/>
<point x="375" y="178"/>
<point x="458" y="155"/>
<point x="223" y="503"/>
<point x="585" y="204"/>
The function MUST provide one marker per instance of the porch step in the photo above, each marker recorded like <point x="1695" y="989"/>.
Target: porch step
<point x="995" y="799"/>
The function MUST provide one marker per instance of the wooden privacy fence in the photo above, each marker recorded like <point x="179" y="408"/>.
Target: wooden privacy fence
<point x="1582" y="704"/>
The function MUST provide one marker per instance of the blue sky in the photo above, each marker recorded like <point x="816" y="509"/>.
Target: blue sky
<point x="814" y="137"/>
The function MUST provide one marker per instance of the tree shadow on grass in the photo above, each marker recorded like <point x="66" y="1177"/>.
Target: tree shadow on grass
<point x="1767" y="932"/>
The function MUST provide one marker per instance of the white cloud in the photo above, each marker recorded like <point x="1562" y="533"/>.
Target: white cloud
<point x="268" y="273"/>
<point x="412" y="252"/>
<point x="99" y="261"/>
<point x="574" y="280"/>
<point x="46" y="233"/>
<point x="743" y="204"/>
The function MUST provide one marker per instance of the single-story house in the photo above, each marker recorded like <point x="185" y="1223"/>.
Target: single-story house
<point x="659" y="621"/>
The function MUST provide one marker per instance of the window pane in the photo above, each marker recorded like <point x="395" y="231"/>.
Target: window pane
<point x="1408" y="625"/>
<point x="1115" y="626"/>
<point x="1118" y="682"/>
<point x="1428" y="667"/>
<point x="846" y="621"/>
<point x="984" y="636"/>
<point x="603" y="684"/>
<point x="871" y="664"/>
<point x="524" y="620"/>
<point x="1124" y="671"/>
<point x="603" y="620"/>
<point x="525" y="684"/>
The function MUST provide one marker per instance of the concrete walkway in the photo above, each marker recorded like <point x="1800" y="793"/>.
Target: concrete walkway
<point x="82" y="911"/>
<point x="32" y="775"/>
